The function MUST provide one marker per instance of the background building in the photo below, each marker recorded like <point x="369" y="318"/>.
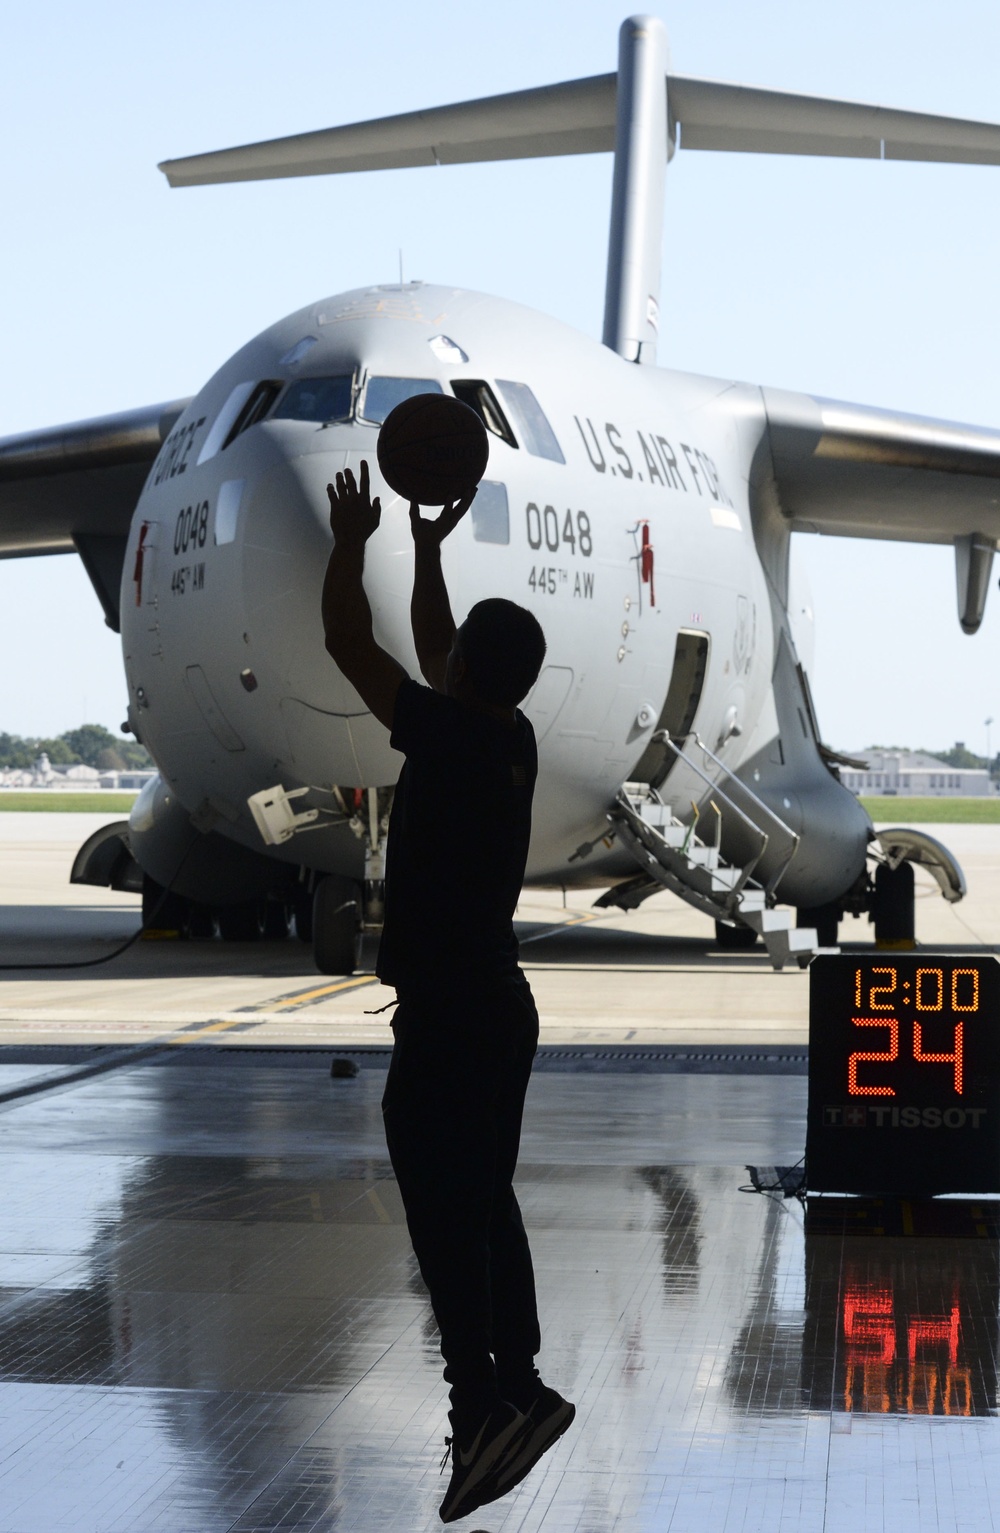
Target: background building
<point x="913" y="774"/>
<point x="76" y="778"/>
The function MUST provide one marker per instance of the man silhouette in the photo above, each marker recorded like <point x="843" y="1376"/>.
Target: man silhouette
<point x="465" y="1028"/>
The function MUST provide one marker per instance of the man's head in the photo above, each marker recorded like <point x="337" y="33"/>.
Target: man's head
<point x="498" y="653"/>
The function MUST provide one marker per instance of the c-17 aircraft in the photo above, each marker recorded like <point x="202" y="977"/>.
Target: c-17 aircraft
<point x="644" y="514"/>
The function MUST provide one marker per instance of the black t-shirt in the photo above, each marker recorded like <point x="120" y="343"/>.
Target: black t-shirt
<point x="457" y="844"/>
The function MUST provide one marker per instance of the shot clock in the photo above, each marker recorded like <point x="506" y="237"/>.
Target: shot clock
<point x="904" y="1075"/>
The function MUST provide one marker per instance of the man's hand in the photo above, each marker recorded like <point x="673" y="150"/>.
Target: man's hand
<point x="354" y="516"/>
<point x="430" y="610"/>
<point x="431" y="534"/>
<point x="347" y="614"/>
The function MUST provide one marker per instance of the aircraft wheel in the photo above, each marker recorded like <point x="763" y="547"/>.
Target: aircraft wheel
<point x="892" y="906"/>
<point x="240" y="923"/>
<point x="336" y="926"/>
<point x="826" y="920"/>
<point x="275" y="921"/>
<point x="201" y="923"/>
<point x="732" y="937"/>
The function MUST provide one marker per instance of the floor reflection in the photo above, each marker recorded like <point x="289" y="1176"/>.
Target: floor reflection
<point x="885" y="1320"/>
<point x="233" y="1324"/>
<point x="902" y="1323"/>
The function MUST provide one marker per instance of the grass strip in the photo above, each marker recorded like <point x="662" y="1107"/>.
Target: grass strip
<point x="885" y="810"/>
<point x="942" y="811"/>
<point x="58" y="801"/>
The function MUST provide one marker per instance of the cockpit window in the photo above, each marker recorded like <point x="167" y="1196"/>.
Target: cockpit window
<point x="481" y="398"/>
<point x="536" y="433"/>
<point x="256" y="407"/>
<point x="490" y="513"/>
<point x="315" y="399"/>
<point x="384" y="394"/>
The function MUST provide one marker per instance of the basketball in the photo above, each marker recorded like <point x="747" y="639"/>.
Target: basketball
<point x="432" y="449"/>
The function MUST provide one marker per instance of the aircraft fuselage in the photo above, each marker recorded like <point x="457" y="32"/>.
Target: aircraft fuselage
<point x="231" y="687"/>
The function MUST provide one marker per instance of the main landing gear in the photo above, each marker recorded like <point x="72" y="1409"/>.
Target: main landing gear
<point x="329" y="917"/>
<point x="336" y="925"/>
<point x="173" y="915"/>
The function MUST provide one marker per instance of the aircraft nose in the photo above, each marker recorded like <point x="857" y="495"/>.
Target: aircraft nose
<point x="330" y="732"/>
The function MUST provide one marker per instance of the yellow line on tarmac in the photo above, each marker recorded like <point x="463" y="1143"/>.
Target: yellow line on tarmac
<point x="300" y="999"/>
<point x="560" y="926"/>
<point x="212" y="1027"/>
<point x="314" y="995"/>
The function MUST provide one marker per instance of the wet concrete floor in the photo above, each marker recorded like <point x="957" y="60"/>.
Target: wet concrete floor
<point x="210" y="1317"/>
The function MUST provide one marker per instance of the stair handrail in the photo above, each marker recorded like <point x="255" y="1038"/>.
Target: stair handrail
<point x="791" y="836"/>
<point x="663" y="735"/>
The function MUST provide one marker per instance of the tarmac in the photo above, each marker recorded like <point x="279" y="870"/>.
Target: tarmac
<point x="649" y="977"/>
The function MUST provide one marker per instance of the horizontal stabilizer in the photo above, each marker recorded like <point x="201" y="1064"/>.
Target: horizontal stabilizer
<point x="578" y="117"/>
<point x="743" y="119"/>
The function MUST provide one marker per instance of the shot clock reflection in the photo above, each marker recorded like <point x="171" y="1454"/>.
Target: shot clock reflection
<point x="872" y="1307"/>
<point x="904" y="1327"/>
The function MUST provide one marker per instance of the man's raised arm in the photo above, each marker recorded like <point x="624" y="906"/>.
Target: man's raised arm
<point x="430" y="610"/>
<point x="347" y="616"/>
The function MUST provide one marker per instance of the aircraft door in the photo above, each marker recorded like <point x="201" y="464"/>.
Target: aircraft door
<point x="544" y="702"/>
<point x="145" y="571"/>
<point x="680" y="709"/>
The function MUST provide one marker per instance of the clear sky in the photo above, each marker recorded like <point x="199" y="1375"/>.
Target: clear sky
<point x="852" y="279"/>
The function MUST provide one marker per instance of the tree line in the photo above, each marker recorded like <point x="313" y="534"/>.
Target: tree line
<point x="89" y="745"/>
<point x="959" y="756"/>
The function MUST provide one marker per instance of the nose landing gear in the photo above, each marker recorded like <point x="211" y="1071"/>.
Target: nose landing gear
<point x="342" y="910"/>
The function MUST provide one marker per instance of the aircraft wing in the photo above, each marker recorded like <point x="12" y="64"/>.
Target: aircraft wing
<point x="83" y="478"/>
<point x="857" y="472"/>
<point x="74" y="488"/>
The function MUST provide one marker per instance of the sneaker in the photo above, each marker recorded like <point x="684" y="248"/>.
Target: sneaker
<point x="548" y="1417"/>
<point x="474" y="1464"/>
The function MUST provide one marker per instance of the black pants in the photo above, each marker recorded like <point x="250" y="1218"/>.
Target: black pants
<point x="452" y="1110"/>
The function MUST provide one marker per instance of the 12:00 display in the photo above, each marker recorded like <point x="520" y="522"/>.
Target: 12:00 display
<point x="929" y="990"/>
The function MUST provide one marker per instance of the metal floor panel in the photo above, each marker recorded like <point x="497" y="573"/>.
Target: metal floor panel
<point x="211" y="1319"/>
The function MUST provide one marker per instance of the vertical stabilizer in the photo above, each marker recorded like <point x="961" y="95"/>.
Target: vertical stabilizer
<point x="632" y="298"/>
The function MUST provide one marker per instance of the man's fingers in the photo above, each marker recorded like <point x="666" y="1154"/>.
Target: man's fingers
<point x="453" y="513"/>
<point x="349" y="480"/>
<point x="365" y="490"/>
<point x="416" y="520"/>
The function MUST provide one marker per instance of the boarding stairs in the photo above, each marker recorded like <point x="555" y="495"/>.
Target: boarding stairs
<point x="673" y="855"/>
